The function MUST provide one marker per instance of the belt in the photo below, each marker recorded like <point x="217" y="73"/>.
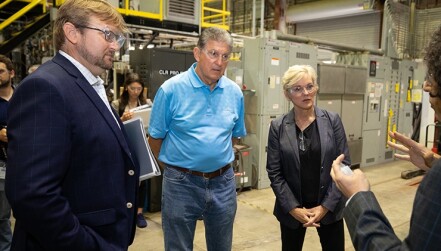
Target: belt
<point x="201" y="174"/>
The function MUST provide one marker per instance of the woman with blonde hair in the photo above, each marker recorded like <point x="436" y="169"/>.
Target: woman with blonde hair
<point x="301" y="147"/>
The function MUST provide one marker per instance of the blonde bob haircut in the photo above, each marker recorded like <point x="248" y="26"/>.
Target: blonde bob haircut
<point x="295" y="73"/>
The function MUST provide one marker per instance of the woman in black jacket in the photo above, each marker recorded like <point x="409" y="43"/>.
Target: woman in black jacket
<point x="301" y="147"/>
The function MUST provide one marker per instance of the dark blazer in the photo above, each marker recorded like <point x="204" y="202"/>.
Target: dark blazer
<point x="370" y="229"/>
<point x="71" y="181"/>
<point x="283" y="165"/>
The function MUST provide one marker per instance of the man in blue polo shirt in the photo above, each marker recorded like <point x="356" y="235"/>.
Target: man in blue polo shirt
<point x="196" y="118"/>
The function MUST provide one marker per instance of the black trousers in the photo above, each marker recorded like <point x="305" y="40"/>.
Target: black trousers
<point x="332" y="237"/>
<point x="142" y="194"/>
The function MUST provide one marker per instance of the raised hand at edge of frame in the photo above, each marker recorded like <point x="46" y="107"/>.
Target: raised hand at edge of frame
<point x="419" y="155"/>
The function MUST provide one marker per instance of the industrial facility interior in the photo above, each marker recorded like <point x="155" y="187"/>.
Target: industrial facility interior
<point x="256" y="229"/>
<point x="367" y="53"/>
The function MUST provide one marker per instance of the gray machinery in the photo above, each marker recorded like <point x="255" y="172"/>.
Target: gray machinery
<point x="376" y="111"/>
<point x="243" y="155"/>
<point x="391" y="108"/>
<point x="265" y="61"/>
<point x="342" y="90"/>
<point x="381" y="110"/>
<point x="388" y="106"/>
<point x="370" y="100"/>
<point x="155" y="66"/>
<point x="159" y="64"/>
<point x="173" y="9"/>
<point x="405" y="115"/>
<point x="242" y="166"/>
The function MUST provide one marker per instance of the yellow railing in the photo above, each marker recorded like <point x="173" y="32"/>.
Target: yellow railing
<point x="5" y="3"/>
<point x="206" y="20"/>
<point x="24" y="10"/>
<point x="128" y="12"/>
<point x="221" y="14"/>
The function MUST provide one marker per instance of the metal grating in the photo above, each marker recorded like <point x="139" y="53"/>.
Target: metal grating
<point x="302" y="55"/>
<point x="395" y="65"/>
<point x="428" y="21"/>
<point x="388" y="155"/>
<point x="397" y="22"/>
<point x="370" y="160"/>
<point x="181" y="8"/>
<point x="405" y="44"/>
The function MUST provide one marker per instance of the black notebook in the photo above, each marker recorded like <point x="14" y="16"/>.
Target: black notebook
<point x="137" y="139"/>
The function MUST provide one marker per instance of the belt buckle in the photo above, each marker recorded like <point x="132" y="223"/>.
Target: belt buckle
<point x="206" y="175"/>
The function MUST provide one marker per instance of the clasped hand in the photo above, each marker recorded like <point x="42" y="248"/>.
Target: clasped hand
<point x="309" y="217"/>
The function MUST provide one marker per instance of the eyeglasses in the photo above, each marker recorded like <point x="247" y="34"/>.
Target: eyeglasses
<point x="300" y="89"/>
<point x="108" y="35"/>
<point x="133" y="89"/>
<point x="213" y="54"/>
<point x="429" y="85"/>
<point x="302" y="141"/>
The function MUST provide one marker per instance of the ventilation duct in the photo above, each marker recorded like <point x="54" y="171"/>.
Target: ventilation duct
<point x="327" y="9"/>
<point x="185" y="11"/>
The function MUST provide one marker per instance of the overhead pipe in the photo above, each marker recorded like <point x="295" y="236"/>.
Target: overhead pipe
<point x="253" y="20"/>
<point x="154" y="35"/>
<point x="331" y="45"/>
<point x="320" y="10"/>
<point x="411" y="35"/>
<point x="280" y="15"/>
<point x="142" y="27"/>
<point x="262" y="13"/>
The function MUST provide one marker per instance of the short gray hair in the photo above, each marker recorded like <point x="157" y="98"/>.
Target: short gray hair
<point x="215" y="34"/>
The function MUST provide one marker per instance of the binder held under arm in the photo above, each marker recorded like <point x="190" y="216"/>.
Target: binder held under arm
<point x="137" y="140"/>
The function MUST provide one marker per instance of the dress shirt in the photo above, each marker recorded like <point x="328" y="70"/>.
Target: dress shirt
<point x="96" y="82"/>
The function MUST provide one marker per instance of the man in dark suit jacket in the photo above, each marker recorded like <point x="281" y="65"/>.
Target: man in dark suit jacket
<point x="71" y="180"/>
<point x="367" y="225"/>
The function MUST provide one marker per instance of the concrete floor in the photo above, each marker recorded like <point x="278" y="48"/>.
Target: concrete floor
<point x="256" y="229"/>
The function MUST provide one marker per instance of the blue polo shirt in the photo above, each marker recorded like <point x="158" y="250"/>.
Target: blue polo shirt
<point x="195" y="123"/>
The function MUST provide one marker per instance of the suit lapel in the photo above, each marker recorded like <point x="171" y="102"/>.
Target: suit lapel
<point x="104" y="111"/>
<point x="323" y="128"/>
<point x="291" y="135"/>
<point x="95" y="99"/>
